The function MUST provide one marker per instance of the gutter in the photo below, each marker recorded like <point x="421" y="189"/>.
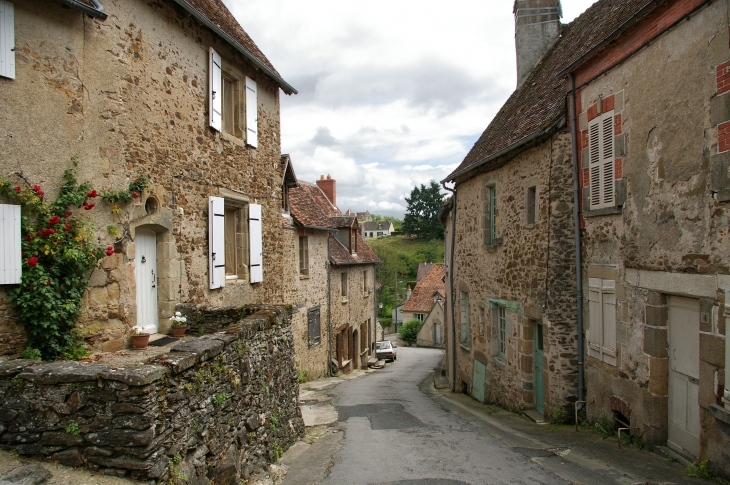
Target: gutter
<point x="452" y="366"/>
<point x="531" y="137"/>
<point x="286" y="87"/>
<point x="97" y="12"/>
<point x="576" y="218"/>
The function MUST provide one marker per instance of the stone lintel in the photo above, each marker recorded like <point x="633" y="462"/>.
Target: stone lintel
<point x="692" y="285"/>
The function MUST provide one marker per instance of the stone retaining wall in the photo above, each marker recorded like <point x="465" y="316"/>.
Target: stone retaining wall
<point x="222" y="406"/>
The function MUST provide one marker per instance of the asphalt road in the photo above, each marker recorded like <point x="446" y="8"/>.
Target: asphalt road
<point x="396" y="435"/>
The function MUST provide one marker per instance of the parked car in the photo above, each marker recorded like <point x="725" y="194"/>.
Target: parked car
<point x="386" y="350"/>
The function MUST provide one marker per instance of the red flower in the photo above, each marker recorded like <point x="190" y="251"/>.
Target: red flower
<point x="88" y="206"/>
<point x="17" y="188"/>
<point x="41" y="233"/>
<point x="67" y="215"/>
<point x="32" y="261"/>
<point x="109" y="250"/>
<point x="48" y="283"/>
<point x="31" y="287"/>
<point x="91" y="194"/>
<point x="135" y="194"/>
<point x="50" y="231"/>
<point x="53" y="220"/>
<point x="37" y="189"/>
<point x="66" y="228"/>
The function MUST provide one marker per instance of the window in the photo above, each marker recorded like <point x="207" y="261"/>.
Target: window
<point x="490" y="214"/>
<point x="234" y="240"/>
<point x="531" y="206"/>
<point x="343" y="284"/>
<point x="353" y="241"/>
<point x="419" y="316"/>
<point x="501" y="332"/>
<point x="601" y="333"/>
<point x="482" y="322"/>
<point x="7" y="40"/>
<point x="10" y="243"/>
<point x="232" y="99"/>
<point x="601" y="161"/>
<point x="304" y="255"/>
<point x="465" y="336"/>
<point x="365" y="281"/>
<point x="314" y="332"/>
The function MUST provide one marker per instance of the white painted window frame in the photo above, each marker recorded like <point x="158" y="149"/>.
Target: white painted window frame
<point x="7" y="39"/>
<point x="601" y="334"/>
<point x="601" y="161"/>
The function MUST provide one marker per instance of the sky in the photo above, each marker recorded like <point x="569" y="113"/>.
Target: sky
<point x="390" y="96"/>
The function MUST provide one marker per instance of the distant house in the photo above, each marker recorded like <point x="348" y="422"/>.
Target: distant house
<point x="424" y="296"/>
<point x="364" y="216"/>
<point x="432" y="331"/>
<point x="376" y="229"/>
<point x="423" y="269"/>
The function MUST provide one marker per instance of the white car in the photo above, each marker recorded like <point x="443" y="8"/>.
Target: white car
<point x="386" y="350"/>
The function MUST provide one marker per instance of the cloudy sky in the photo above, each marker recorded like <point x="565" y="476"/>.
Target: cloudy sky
<point x="391" y="93"/>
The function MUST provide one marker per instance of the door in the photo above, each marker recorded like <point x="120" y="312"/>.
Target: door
<point x="539" y="375"/>
<point x="478" y="377"/>
<point x="437" y="333"/>
<point x="145" y="273"/>
<point x="684" y="374"/>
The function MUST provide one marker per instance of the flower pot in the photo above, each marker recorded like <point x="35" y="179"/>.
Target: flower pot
<point x="140" y="341"/>
<point x="178" y="330"/>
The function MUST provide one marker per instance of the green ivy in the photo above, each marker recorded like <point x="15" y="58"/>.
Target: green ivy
<point x="59" y="253"/>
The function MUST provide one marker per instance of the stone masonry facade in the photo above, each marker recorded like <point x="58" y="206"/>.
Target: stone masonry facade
<point x="129" y="96"/>
<point x="222" y="406"/>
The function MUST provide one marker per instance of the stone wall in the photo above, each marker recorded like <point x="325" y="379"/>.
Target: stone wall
<point x="129" y="96"/>
<point x="224" y="404"/>
<point x="528" y="271"/>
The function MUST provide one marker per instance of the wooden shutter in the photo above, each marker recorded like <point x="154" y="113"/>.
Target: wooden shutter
<point x="11" y="262"/>
<point x="217" y="242"/>
<point x="607" y="172"/>
<point x="608" y="300"/>
<point x="256" y="243"/>
<point x="7" y="39"/>
<point x="595" y="314"/>
<point x="215" y="91"/>
<point x="252" y="116"/>
<point x="594" y="162"/>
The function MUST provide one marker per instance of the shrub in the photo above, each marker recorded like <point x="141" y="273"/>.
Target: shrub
<point x="409" y="330"/>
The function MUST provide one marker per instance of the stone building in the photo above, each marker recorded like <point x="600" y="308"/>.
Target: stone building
<point x="426" y="304"/>
<point x="333" y="284"/>
<point x="644" y="133"/>
<point x="172" y="90"/>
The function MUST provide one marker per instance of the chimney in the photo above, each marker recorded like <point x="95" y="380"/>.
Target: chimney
<point x="408" y="293"/>
<point x="537" y="27"/>
<point x="329" y="188"/>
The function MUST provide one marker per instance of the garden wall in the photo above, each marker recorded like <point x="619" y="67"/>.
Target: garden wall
<point x="215" y="408"/>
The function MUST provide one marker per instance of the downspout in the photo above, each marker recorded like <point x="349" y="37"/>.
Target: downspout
<point x="329" y="311"/>
<point x="576" y="217"/>
<point x="452" y="364"/>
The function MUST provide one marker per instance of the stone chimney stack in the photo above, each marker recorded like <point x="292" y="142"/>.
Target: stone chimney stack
<point x="408" y="293"/>
<point x="329" y="187"/>
<point x="537" y="27"/>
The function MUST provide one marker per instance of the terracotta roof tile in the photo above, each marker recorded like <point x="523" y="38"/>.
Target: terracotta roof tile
<point x="341" y="256"/>
<point x="304" y="206"/>
<point x="423" y="269"/>
<point x="421" y="299"/>
<point x="539" y="104"/>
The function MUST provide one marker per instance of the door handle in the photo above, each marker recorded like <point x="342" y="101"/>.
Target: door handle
<point x="154" y="279"/>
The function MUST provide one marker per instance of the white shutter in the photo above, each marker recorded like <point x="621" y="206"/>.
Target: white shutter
<point x="217" y="242"/>
<point x="11" y="262"/>
<point x="594" y="162"/>
<point x="252" y="117"/>
<point x="607" y="171"/>
<point x="595" y="315"/>
<point x="256" y="244"/>
<point x="608" y="298"/>
<point x="215" y="91"/>
<point x="7" y="39"/>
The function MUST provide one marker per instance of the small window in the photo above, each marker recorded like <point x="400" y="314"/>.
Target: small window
<point x="531" y="205"/>
<point x="501" y="332"/>
<point x="344" y="285"/>
<point x="353" y="241"/>
<point x="489" y="215"/>
<point x="365" y="281"/>
<point x="236" y="241"/>
<point x="303" y="255"/>
<point x="314" y="332"/>
<point x="481" y="321"/>
<point x="420" y="316"/>
<point x="601" y="161"/>
<point x="465" y="335"/>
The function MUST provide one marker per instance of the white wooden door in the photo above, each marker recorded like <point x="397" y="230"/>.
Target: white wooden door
<point x="684" y="374"/>
<point x="145" y="273"/>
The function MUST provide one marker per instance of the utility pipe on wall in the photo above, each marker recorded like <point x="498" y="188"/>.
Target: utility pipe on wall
<point x="452" y="364"/>
<point x="576" y="217"/>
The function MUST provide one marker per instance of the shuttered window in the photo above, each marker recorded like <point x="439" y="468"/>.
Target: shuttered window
<point x="255" y="243"/>
<point x="343" y="285"/>
<point x="10" y="245"/>
<point x="601" y="161"/>
<point x="304" y="255"/>
<point x="216" y="242"/>
<point x="314" y="331"/>
<point x="252" y="116"/>
<point x="601" y="333"/>
<point x="215" y="91"/>
<point x="465" y="335"/>
<point x="489" y="214"/>
<point x="7" y="39"/>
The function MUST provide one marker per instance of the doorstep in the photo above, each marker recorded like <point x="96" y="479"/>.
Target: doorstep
<point x="534" y="415"/>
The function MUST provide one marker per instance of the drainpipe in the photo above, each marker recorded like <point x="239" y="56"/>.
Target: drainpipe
<point x="329" y="311"/>
<point x="576" y="217"/>
<point x="452" y="366"/>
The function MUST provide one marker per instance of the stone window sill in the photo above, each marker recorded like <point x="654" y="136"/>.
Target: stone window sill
<point x="500" y="362"/>
<point x="606" y="211"/>
<point x="344" y="299"/>
<point x="465" y="348"/>
<point x="303" y="276"/>
<point x="232" y="139"/>
<point x="720" y="413"/>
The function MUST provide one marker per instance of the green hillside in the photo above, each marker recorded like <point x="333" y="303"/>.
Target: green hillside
<point x="399" y="259"/>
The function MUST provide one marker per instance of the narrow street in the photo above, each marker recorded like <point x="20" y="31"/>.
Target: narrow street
<point x="394" y="428"/>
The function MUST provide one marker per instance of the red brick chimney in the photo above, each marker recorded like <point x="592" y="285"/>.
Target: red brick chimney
<point x="329" y="187"/>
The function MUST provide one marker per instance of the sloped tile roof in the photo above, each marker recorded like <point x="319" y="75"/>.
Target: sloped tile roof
<point x="539" y="105"/>
<point x="423" y="269"/>
<point x="304" y="206"/>
<point x="343" y="221"/>
<point x="421" y="299"/>
<point x="341" y="256"/>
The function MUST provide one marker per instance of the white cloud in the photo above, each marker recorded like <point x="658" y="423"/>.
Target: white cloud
<point x="391" y="94"/>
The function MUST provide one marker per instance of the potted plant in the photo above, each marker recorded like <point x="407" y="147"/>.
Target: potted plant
<point x="140" y="339"/>
<point x="178" y="325"/>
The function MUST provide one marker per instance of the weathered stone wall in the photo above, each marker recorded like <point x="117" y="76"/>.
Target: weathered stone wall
<point x="225" y="404"/>
<point x="669" y="237"/>
<point x="526" y="259"/>
<point x="129" y="96"/>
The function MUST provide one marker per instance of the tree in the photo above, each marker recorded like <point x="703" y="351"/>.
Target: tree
<point x="409" y="331"/>
<point x="421" y="219"/>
